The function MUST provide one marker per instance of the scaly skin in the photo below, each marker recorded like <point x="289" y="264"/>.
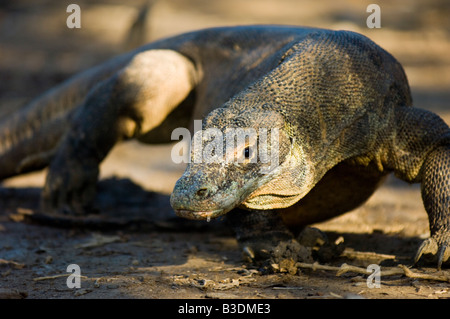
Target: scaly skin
<point x="340" y="103"/>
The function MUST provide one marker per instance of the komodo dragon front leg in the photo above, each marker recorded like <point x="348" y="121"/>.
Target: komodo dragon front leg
<point x="421" y="153"/>
<point x="436" y="197"/>
<point x="129" y="104"/>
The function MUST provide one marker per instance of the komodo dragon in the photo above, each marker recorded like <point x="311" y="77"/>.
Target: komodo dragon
<point x="341" y="105"/>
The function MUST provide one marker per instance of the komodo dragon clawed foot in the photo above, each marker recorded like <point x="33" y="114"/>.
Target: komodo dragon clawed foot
<point x="261" y="250"/>
<point x="435" y="189"/>
<point x="263" y="238"/>
<point x="438" y="246"/>
<point x="70" y="186"/>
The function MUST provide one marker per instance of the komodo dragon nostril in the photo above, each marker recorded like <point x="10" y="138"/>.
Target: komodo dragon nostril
<point x="202" y="192"/>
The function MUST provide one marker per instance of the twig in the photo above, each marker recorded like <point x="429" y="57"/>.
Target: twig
<point x="98" y="240"/>
<point x="14" y="264"/>
<point x="349" y="268"/>
<point x="365" y="254"/>
<point x="426" y="276"/>
<point x="287" y="288"/>
<point x="401" y="270"/>
<point x="58" y="276"/>
<point x="316" y="266"/>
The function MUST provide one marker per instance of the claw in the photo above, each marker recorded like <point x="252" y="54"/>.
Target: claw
<point x="252" y="253"/>
<point x="428" y="246"/>
<point x="444" y="254"/>
<point x="439" y="247"/>
<point x="248" y="251"/>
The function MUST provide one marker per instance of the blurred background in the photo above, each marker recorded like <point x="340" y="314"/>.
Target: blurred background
<point x="38" y="50"/>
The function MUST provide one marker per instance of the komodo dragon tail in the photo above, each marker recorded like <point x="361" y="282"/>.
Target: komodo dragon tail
<point x="30" y="137"/>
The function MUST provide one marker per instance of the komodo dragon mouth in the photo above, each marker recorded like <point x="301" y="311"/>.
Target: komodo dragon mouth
<point x="199" y="215"/>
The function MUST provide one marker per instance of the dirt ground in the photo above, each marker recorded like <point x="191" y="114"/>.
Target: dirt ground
<point x="135" y="247"/>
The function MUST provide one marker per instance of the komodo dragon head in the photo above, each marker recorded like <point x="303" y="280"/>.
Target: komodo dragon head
<point x="243" y="156"/>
